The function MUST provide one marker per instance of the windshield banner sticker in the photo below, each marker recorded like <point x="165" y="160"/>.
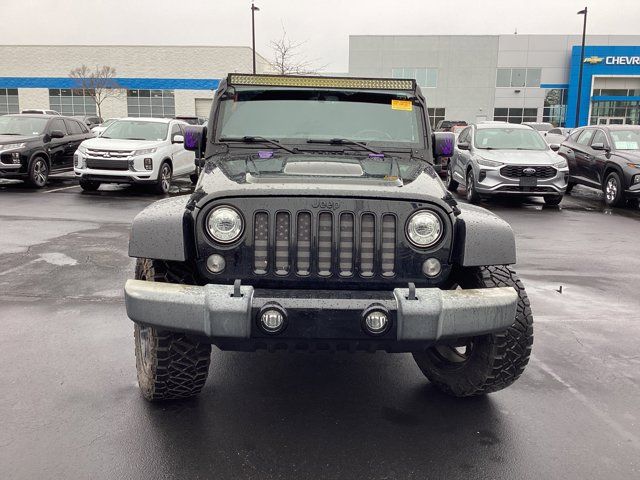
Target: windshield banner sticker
<point x="405" y="105"/>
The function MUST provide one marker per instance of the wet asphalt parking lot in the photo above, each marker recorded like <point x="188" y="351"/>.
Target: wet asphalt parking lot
<point x="70" y="407"/>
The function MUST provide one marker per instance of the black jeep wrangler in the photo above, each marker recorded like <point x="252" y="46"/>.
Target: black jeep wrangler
<point x="319" y="223"/>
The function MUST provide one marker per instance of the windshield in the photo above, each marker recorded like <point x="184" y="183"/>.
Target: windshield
<point x="626" y="139"/>
<point x="136" y="130"/>
<point x="509" y="139"/>
<point x="22" y="125"/>
<point x="303" y="115"/>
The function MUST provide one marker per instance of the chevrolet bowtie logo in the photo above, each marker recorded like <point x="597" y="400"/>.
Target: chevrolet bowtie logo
<point x="593" y="60"/>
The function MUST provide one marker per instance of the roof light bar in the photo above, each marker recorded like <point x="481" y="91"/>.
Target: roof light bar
<point x="322" y="82"/>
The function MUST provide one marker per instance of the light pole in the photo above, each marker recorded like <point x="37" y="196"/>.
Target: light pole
<point x="584" y="32"/>
<point x="253" y="34"/>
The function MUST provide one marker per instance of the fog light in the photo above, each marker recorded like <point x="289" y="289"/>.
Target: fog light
<point x="216" y="263"/>
<point x="636" y="178"/>
<point x="15" y="157"/>
<point x="376" y="322"/>
<point x="148" y="163"/>
<point x="482" y="175"/>
<point x="272" y="320"/>
<point x="431" y="267"/>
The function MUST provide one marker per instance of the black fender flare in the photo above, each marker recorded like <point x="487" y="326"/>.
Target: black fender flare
<point x="482" y="238"/>
<point x="162" y="231"/>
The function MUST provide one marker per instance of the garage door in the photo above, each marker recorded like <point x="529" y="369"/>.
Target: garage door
<point x="203" y="107"/>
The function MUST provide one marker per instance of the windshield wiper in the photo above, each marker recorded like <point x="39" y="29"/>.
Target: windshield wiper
<point x="254" y="139"/>
<point x="130" y="138"/>
<point x="7" y="133"/>
<point x="345" y="141"/>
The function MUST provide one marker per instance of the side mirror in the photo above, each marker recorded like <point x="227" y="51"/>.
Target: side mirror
<point x="195" y="139"/>
<point x="443" y="144"/>
<point x="598" y="146"/>
<point x="177" y="139"/>
<point x="554" y="146"/>
<point x="464" y="146"/>
<point x="57" y="134"/>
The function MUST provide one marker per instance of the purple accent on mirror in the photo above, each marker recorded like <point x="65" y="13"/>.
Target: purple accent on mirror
<point x="265" y="154"/>
<point x="447" y="147"/>
<point x="376" y="155"/>
<point x="191" y="139"/>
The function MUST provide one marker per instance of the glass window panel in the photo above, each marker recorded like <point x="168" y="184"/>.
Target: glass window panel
<point x="145" y="101"/>
<point x="533" y="77"/>
<point x="503" y="78"/>
<point x="518" y="76"/>
<point x="432" y="77"/>
<point x="531" y="112"/>
<point x="132" y="93"/>
<point x="421" y="76"/>
<point x="500" y="112"/>
<point x="515" y="112"/>
<point x="500" y="119"/>
<point x="12" y="91"/>
<point x="156" y="93"/>
<point x="144" y="93"/>
<point x="396" y="72"/>
<point x="145" y="111"/>
<point x="529" y="119"/>
<point x="156" y="101"/>
<point x="168" y="93"/>
<point x="169" y="112"/>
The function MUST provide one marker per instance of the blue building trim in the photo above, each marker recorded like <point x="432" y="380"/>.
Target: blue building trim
<point x="614" y="98"/>
<point x="602" y="60"/>
<point x="554" y="85"/>
<point x="129" y="83"/>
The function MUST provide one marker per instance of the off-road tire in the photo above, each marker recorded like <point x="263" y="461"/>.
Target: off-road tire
<point x="612" y="184"/>
<point x="450" y="183"/>
<point x="38" y="172"/>
<point x="553" y="201"/>
<point x="170" y="365"/>
<point x="495" y="360"/>
<point x="471" y="193"/>
<point x="89" y="186"/>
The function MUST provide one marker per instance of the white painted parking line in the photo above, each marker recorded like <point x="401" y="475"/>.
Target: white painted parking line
<point x="63" y="188"/>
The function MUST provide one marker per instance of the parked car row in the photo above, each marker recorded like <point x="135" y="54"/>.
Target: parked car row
<point x="498" y="158"/>
<point x="130" y="150"/>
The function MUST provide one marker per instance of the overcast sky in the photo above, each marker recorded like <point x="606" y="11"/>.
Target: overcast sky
<point x="324" y="25"/>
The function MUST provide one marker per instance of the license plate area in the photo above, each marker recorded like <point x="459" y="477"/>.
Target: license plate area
<point x="528" y="182"/>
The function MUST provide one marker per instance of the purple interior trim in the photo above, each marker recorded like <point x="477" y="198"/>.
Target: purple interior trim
<point x="265" y="153"/>
<point x="376" y="155"/>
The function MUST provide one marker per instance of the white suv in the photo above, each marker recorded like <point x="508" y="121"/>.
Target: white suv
<point x="135" y="150"/>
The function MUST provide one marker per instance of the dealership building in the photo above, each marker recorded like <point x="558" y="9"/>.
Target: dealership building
<point x="511" y="77"/>
<point x="153" y="81"/>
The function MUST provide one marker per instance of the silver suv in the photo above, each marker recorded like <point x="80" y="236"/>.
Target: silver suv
<point x="506" y="159"/>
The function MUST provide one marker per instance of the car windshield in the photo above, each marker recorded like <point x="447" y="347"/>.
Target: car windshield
<point x="22" y="125"/>
<point x="136" y="130"/>
<point x="509" y="139"/>
<point x="626" y="139"/>
<point x="292" y="116"/>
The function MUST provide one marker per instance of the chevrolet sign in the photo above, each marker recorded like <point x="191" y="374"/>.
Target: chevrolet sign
<point x="622" y="60"/>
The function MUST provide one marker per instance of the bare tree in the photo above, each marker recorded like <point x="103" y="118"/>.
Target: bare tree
<point x="288" y="59"/>
<point x="99" y="84"/>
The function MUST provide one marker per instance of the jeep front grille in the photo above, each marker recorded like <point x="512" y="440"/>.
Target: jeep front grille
<point x="517" y="171"/>
<point x="324" y="244"/>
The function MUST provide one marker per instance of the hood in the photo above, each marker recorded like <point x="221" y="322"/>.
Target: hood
<point x="320" y="175"/>
<point x="520" y="157"/>
<point x="4" y="139"/>
<point x="629" y="155"/>
<point x="116" y="144"/>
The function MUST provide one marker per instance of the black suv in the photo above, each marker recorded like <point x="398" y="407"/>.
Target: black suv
<point x="320" y="223"/>
<point x="33" y="146"/>
<point x="606" y="158"/>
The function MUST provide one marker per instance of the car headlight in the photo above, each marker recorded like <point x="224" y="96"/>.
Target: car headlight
<point x="424" y="228"/>
<point x="488" y="163"/>
<point x="225" y="224"/>
<point x="144" y="151"/>
<point x="561" y="164"/>
<point x="636" y="179"/>
<point x="11" y="146"/>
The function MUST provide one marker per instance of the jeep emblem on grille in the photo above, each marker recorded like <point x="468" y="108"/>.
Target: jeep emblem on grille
<point x="328" y="204"/>
<point x="529" y="171"/>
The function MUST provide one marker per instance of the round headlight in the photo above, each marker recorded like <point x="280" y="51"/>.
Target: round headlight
<point x="225" y="224"/>
<point x="424" y="229"/>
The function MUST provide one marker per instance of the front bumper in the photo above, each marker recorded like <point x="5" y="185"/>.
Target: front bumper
<point x="326" y="317"/>
<point x="489" y="181"/>
<point x="116" y="176"/>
